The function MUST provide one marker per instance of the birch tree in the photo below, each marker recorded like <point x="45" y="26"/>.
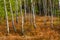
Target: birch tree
<point x="51" y="8"/>
<point x="12" y="17"/>
<point x="45" y="9"/>
<point x="22" y="17"/>
<point x="16" y="10"/>
<point x="25" y="7"/>
<point x="33" y="12"/>
<point x="59" y="4"/>
<point x="6" y="17"/>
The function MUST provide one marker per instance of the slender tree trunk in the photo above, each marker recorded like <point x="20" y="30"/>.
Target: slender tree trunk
<point x="25" y="7"/>
<point x="59" y="13"/>
<point x="45" y="10"/>
<point x="33" y="12"/>
<point x="6" y="17"/>
<point x="42" y="9"/>
<point x="51" y="8"/>
<point x="22" y="17"/>
<point x="16" y="11"/>
<point x="59" y="4"/>
<point x="31" y="19"/>
<point x="39" y="4"/>
<point x="12" y="17"/>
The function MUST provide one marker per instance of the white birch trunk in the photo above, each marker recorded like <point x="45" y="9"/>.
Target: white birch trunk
<point x="12" y="17"/>
<point x="16" y="11"/>
<point x="25" y="7"/>
<point x="6" y="17"/>
<point x="22" y="17"/>
<point x="33" y="12"/>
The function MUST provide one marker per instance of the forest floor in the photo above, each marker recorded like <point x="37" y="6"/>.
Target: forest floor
<point x="43" y="31"/>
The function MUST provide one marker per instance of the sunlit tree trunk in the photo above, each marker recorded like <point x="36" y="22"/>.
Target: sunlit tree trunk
<point x="12" y="17"/>
<point x="16" y="5"/>
<point x="6" y="17"/>
<point x="22" y="17"/>
<point x="59" y="4"/>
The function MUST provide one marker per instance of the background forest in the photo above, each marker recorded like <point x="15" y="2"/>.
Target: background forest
<point x="38" y="6"/>
<point x="29" y="20"/>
